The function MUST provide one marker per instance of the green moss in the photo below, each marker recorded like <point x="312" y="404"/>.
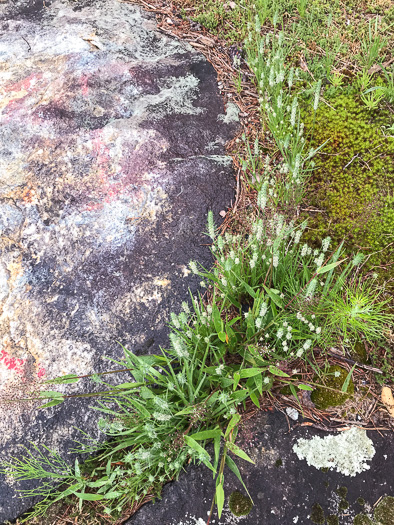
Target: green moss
<point x="324" y="398"/>
<point x="362" y="519"/>
<point x="343" y="505"/>
<point x="384" y="512"/>
<point x="278" y="462"/>
<point x="359" y="353"/>
<point x="317" y="514"/>
<point x="353" y="180"/>
<point x="239" y="504"/>
<point x="342" y="492"/>
<point x="361" y="501"/>
<point x="332" y="520"/>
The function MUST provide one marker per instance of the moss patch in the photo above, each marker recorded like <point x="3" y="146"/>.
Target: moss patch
<point x="342" y="492"/>
<point x="359" y="353"/>
<point x="239" y="504"/>
<point x="317" y="514"/>
<point x="324" y="398"/>
<point x="343" y="505"/>
<point x="362" y="519"/>
<point x="384" y="512"/>
<point x="332" y="520"/>
<point x="354" y="178"/>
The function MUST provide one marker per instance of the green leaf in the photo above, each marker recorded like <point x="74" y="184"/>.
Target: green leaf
<point x="274" y="297"/>
<point x="250" y="372"/>
<point x="88" y="497"/>
<point x="233" y="422"/>
<point x="77" y="469"/>
<point x="226" y="382"/>
<point x="108" y="467"/>
<point x="67" y="492"/>
<point x="345" y="385"/>
<point x="230" y="323"/>
<point x="233" y="467"/>
<point x="187" y="410"/>
<point x="97" y="484"/>
<point x="247" y="287"/>
<point x="139" y="406"/>
<point x="216" y="319"/>
<point x="328" y="267"/>
<point x="222" y="336"/>
<point x="146" y="393"/>
<point x="50" y="394"/>
<point x="124" y="444"/>
<point x="239" y="452"/>
<point x="128" y="385"/>
<point x="112" y="495"/>
<point x="305" y="387"/>
<point x="239" y="395"/>
<point x="65" y="380"/>
<point x="253" y="397"/>
<point x="220" y="498"/>
<point x="237" y="377"/>
<point x="232" y="337"/>
<point x="52" y="403"/>
<point x="233" y="301"/>
<point x="216" y="446"/>
<point x="294" y="391"/>
<point x="258" y="381"/>
<point x="277" y="371"/>
<point x="207" y="434"/>
<point x="198" y="448"/>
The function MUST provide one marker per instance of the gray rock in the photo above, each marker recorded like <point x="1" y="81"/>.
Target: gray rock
<point x="284" y="489"/>
<point x="111" y="154"/>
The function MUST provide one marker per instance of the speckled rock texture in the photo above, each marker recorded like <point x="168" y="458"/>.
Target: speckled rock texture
<point x="111" y="154"/>
<point x="285" y="490"/>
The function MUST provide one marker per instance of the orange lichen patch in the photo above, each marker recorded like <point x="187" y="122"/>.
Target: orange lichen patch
<point x="29" y="195"/>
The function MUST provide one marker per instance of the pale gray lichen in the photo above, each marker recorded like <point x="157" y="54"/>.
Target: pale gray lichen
<point x="232" y="114"/>
<point x="347" y="452"/>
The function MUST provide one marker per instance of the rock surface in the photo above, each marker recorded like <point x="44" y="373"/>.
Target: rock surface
<point x="285" y="490"/>
<point x="111" y="154"/>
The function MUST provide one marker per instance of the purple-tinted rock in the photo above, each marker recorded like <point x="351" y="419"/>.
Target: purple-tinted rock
<point x="111" y="154"/>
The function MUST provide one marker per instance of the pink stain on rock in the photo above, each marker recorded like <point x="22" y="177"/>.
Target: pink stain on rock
<point x="41" y="372"/>
<point x="11" y="363"/>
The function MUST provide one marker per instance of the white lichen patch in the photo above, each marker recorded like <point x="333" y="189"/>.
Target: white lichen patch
<point x="346" y="453"/>
<point x="176" y="96"/>
<point x="232" y="114"/>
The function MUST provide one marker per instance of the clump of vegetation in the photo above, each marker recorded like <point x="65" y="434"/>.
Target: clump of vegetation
<point x="384" y="511"/>
<point x="362" y="519"/>
<point x="383" y="515"/>
<point x="317" y="514"/>
<point x="353" y="177"/>
<point x="334" y="378"/>
<point x="262" y="314"/>
<point x="277" y="290"/>
<point x="239" y="504"/>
